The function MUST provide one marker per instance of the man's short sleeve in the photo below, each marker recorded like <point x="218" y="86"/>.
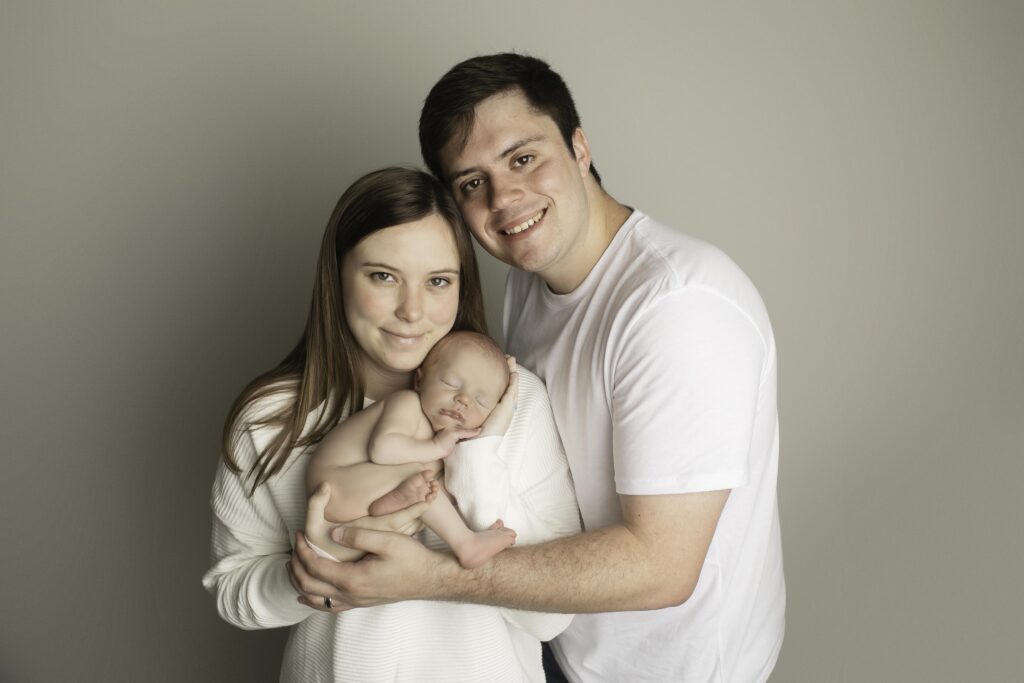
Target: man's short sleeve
<point x="685" y="394"/>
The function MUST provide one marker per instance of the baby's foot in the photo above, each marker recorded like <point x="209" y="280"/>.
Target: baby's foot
<point x="483" y="545"/>
<point x="415" y="489"/>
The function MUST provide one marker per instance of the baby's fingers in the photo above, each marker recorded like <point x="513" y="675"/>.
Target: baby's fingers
<point x="462" y="434"/>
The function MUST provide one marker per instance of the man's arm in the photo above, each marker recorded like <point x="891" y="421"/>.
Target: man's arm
<point x="686" y="390"/>
<point x="651" y="560"/>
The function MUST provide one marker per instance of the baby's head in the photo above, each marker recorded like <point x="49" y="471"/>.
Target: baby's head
<point x="461" y="380"/>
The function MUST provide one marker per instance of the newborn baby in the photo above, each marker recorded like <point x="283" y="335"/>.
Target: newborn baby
<point x="388" y="456"/>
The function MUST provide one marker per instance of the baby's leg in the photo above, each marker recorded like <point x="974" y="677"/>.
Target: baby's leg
<point x="473" y="548"/>
<point x="318" y="529"/>
<point x="355" y="488"/>
<point x="413" y="489"/>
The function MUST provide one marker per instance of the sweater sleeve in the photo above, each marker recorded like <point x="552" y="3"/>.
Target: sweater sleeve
<point x="250" y="545"/>
<point x="523" y="479"/>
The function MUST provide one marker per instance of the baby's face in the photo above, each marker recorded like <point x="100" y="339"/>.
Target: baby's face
<point x="461" y="386"/>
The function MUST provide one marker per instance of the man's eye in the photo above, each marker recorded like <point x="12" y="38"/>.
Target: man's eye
<point x="382" y="277"/>
<point x="472" y="184"/>
<point x="523" y="160"/>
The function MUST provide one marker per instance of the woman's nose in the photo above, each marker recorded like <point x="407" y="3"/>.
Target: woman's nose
<point x="410" y="305"/>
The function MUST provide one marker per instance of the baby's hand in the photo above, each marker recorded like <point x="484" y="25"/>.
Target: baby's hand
<point x="500" y="418"/>
<point x="449" y="436"/>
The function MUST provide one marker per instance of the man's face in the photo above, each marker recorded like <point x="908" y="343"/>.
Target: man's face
<point x="520" y="190"/>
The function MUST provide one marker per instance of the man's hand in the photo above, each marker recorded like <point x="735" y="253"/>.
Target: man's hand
<point x="651" y="560"/>
<point x="498" y="421"/>
<point x="396" y="568"/>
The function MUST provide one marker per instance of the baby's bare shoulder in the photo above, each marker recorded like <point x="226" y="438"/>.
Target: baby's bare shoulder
<point x="404" y="413"/>
<point x="402" y="400"/>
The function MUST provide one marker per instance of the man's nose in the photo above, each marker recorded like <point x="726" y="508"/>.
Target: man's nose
<point x="505" y="191"/>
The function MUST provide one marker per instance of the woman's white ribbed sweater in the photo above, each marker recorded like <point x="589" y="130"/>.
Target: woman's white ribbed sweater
<point x="522" y="478"/>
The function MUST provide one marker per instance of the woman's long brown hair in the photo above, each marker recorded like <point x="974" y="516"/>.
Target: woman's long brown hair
<point x="322" y="372"/>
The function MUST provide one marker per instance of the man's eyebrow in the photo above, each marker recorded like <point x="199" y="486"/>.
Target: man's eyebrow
<point x="504" y="153"/>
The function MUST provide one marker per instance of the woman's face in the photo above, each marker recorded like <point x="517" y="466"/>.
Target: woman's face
<point x="401" y="295"/>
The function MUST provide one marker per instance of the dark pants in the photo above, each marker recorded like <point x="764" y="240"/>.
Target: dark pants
<point x="551" y="671"/>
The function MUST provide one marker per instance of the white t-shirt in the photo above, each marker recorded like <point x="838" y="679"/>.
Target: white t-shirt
<point x="661" y="371"/>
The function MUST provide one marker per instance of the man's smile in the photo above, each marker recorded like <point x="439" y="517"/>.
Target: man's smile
<point x="525" y="225"/>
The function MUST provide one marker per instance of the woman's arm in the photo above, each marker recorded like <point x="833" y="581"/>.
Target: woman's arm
<point x="250" y="546"/>
<point x="522" y="478"/>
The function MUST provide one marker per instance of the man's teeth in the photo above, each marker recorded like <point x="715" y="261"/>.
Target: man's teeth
<point x="529" y="223"/>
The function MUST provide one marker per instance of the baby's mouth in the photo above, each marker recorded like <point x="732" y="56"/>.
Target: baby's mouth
<point x="453" y="414"/>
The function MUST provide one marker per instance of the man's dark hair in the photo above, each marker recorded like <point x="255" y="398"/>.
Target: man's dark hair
<point x="448" y="110"/>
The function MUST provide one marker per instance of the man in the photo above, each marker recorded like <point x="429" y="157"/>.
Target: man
<point x="660" y="361"/>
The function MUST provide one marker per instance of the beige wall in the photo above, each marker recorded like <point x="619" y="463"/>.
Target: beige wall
<point x="166" y="169"/>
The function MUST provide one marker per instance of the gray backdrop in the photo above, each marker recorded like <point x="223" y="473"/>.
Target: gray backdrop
<point x="166" y="170"/>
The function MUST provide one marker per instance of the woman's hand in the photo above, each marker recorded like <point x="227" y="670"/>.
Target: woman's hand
<point x="500" y="418"/>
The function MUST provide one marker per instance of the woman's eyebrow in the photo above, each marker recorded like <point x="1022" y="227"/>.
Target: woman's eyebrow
<point x="385" y="266"/>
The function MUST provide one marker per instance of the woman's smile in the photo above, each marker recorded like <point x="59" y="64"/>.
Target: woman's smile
<point x="402" y="339"/>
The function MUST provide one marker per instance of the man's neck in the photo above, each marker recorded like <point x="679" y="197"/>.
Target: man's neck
<point x="605" y="219"/>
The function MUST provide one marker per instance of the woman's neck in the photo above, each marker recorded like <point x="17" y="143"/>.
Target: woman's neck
<point x="380" y="384"/>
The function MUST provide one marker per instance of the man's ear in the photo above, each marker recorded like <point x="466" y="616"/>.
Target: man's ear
<point x="581" y="148"/>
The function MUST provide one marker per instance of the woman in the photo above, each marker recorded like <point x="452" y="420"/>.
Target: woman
<point x="396" y="273"/>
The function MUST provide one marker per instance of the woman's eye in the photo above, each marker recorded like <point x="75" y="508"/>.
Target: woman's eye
<point x="439" y="282"/>
<point x="382" y="277"/>
<point x="523" y="160"/>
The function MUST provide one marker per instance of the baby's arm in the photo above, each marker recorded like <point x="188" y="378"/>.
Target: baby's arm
<point x="396" y="439"/>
